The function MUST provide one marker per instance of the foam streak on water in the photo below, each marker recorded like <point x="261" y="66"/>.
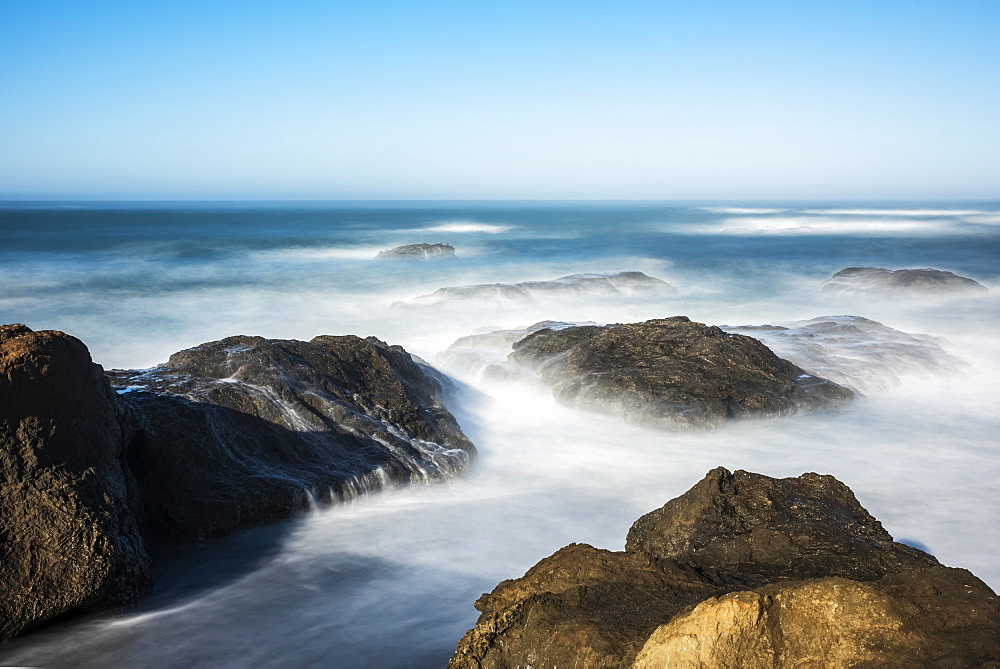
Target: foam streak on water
<point x="388" y="580"/>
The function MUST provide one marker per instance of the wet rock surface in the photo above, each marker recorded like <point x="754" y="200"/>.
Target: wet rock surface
<point x="743" y="570"/>
<point x="856" y="352"/>
<point x="672" y="372"/>
<point x="69" y="538"/>
<point x="619" y="283"/>
<point x="248" y="430"/>
<point x="418" y="252"/>
<point x="875" y="281"/>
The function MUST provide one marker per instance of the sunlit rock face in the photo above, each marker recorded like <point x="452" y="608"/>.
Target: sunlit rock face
<point x="878" y="281"/>
<point x="418" y="252"/>
<point x="856" y="352"/>
<point x="672" y="372"/>
<point x="69" y="540"/>
<point x="573" y="285"/>
<point x="247" y="430"/>
<point x="743" y="570"/>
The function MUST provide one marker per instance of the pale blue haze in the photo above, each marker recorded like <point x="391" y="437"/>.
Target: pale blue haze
<point x="481" y="100"/>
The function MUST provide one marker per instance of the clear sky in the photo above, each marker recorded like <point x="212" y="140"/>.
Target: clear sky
<point x="475" y="99"/>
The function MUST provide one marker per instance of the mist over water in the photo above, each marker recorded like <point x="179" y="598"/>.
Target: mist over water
<point x="389" y="580"/>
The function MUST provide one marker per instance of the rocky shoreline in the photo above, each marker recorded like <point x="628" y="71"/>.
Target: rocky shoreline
<point x="743" y="570"/>
<point x="100" y="471"/>
<point x="224" y="436"/>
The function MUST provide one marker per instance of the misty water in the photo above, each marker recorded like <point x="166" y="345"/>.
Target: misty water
<point x="390" y="579"/>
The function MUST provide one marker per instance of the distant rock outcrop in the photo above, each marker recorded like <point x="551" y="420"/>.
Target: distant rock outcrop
<point x="876" y="281"/>
<point x="671" y="372"/>
<point x="243" y="430"/>
<point x="619" y="283"/>
<point x="856" y="352"/>
<point x="418" y="252"/>
<point x="69" y="539"/>
<point x="743" y="570"/>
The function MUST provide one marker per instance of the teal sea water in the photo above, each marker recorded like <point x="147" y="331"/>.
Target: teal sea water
<point x="390" y="580"/>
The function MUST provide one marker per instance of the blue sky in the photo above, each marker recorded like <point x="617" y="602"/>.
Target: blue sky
<point x="632" y="100"/>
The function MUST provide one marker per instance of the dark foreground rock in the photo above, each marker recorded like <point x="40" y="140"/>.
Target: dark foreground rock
<point x="671" y="372"/>
<point x="417" y="252"/>
<point x="248" y="430"/>
<point x="69" y="540"/>
<point x="223" y="436"/>
<point x="741" y="571"/>
<point x="874" y="281"/>
<point x="620" y="283"/>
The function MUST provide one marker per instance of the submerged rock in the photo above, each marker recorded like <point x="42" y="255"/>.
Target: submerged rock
<point x="671" y="372"/>
<point x="69" y="540"/>
<point x="743" y="570"/>
<point x="418" y="252"/>
<point x="620" y="283"/>
<point x="247" y="430"/>
<point x="856" y="352"/>
<point x="875" y="281"/>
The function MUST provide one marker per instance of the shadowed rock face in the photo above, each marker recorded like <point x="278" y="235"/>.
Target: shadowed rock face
<point x="672" y="372"/>
<point x="741" y="571"/>
<point x="417" y="252"/>
<point x="69" y="540"/>
<point x="879" y="281"/>
<point x="246" y="429"/>
<point x="620" y="283"/>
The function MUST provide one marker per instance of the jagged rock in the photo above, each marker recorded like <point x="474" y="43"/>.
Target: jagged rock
<point x="757" y="530"/>
<point x="580" y="607"/>
<point x="248" y="430"/>
<point x="856" y="352"/>
<point x="881" y="281"/>
<point x="672" y="372"/>
<point x="620" y="283"/>
<point x="69" y="540"/>
<point x="418" y="252"/>
<point x="681" y="591"/>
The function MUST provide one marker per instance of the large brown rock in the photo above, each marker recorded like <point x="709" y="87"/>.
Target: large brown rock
<point x="929" y="618"/>
<point x="248" y="430"/>
<point x="672" y="372"/>
<point x="69" y="540"/>
<point x="741" y="571"/>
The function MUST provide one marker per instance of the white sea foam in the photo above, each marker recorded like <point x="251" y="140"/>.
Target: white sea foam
<point x="742" y="210"/>
<point x="896" y="212"/>
<point x="468" y="226"/>
<point x="815" y="225"/>
<point x="318" y="253"/>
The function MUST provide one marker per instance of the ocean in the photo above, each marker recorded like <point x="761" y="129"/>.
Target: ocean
<point x="390" y="579"/>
